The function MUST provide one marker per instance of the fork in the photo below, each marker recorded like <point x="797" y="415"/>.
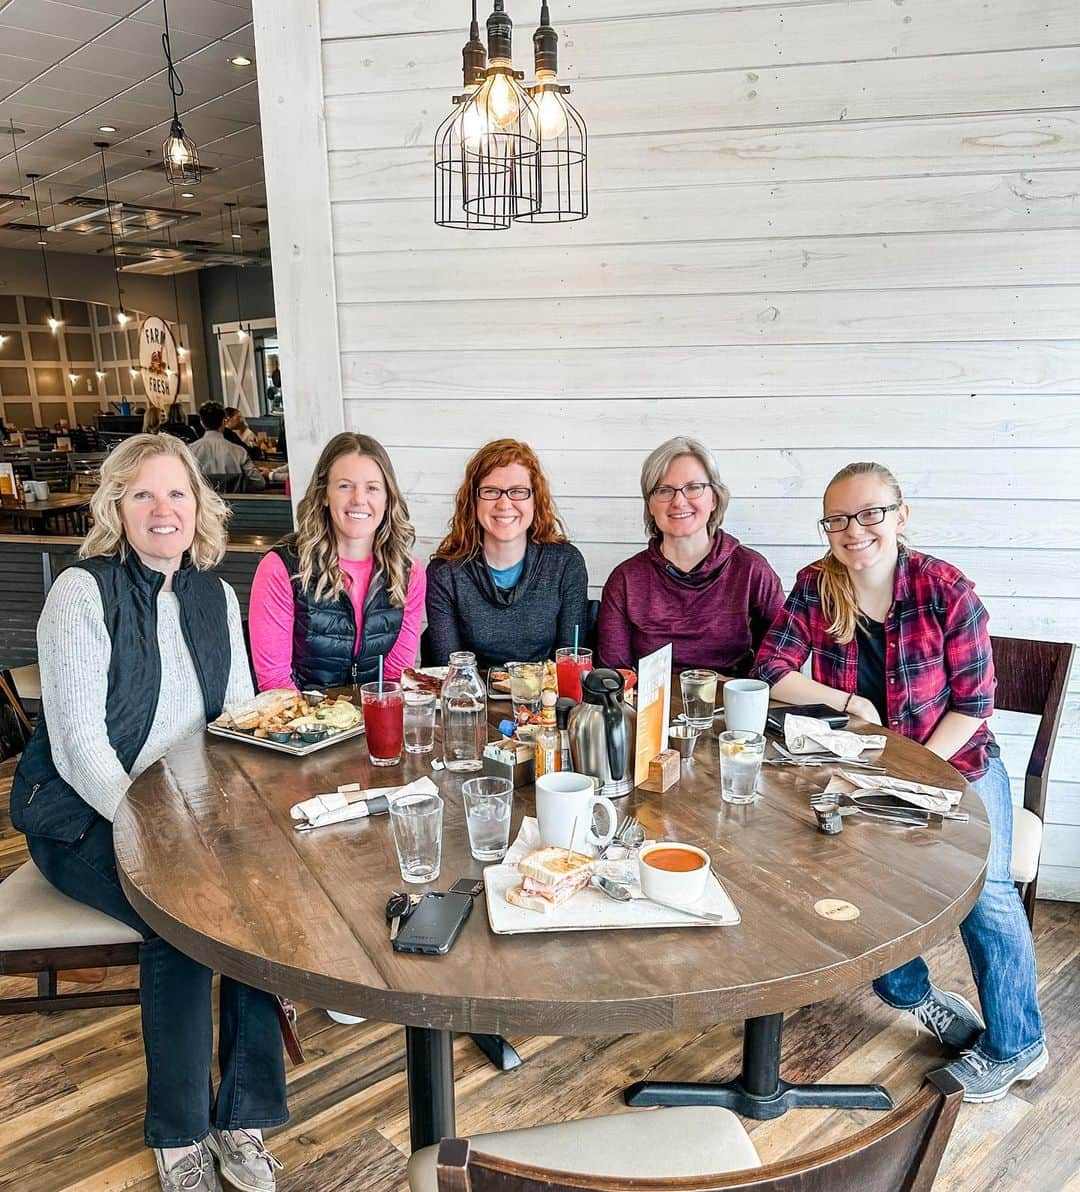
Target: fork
<point x="917" y="819"/>
<point x="625" y="831"/>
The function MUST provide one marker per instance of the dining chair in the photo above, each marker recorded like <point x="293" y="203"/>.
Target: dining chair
<point x="43" y="932"/>
<point x="55" y="468"/>
<point x="701" y="1149"/>
<point x="1032" y="677"/>
<point x="225" y="482"/>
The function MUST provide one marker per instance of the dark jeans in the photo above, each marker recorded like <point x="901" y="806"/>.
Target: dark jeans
<point x="177" y="1021"/>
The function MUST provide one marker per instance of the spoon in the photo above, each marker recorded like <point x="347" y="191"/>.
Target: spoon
<point x="621" y="893"/>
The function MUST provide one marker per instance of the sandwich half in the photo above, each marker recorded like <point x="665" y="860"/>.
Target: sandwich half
<point x="549" y="876"/>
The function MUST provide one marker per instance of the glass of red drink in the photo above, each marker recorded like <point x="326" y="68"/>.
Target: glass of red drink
<point x="570" y="665"/>
<point x="383" y="722"/>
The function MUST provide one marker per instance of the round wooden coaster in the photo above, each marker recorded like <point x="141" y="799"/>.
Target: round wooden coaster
<point x="836" y="908"/>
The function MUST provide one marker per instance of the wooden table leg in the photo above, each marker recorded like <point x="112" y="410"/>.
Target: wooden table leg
<point x="759" y="1091"/>
<point x="429" y="1066"/>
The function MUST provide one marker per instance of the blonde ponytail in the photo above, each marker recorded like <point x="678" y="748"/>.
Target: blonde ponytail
<point x="839" y="603"/>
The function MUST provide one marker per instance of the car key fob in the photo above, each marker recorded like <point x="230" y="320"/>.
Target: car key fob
<point x="397" y="907"/>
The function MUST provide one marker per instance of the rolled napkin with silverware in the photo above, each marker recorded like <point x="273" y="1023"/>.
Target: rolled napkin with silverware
<point x="807" y="734"/>
<point x="940" y="800"/>
<point x="349" y="802"/>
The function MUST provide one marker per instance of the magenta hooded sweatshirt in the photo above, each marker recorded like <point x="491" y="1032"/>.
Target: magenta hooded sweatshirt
<point x="714" y="616"/>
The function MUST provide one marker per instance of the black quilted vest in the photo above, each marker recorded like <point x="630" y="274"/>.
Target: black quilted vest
<point x="324" y="631"/>
<point x="42" y="803"/>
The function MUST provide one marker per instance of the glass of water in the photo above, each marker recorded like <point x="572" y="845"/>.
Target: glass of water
<point x="416" y="822"/>
<point x="488" y="804"/>
<point x="419" y="721"/>
<point x="526" y="681"/>
<point x="740" y="763"/>
<point x="698" y="697"/>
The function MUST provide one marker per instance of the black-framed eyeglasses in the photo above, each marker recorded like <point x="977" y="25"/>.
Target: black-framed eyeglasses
<point x="873" y="516"/>
<point x="489" y="492"/>
<point x="691" y="491"/>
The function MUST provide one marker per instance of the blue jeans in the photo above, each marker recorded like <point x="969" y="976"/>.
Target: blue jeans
<point x="177" y="1023"/>
<point x="998" y="942"/>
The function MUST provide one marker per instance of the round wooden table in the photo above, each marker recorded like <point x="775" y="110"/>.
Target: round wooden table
<point x="209" y="857"/>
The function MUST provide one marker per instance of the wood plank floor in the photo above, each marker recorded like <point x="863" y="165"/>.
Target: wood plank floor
<point x="71" y="1085"/>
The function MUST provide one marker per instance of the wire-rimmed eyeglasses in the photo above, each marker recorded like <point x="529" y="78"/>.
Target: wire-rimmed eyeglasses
<point x="873" y="516"/>
<point x="489" y="492"/>
<point x="691" y="491"/>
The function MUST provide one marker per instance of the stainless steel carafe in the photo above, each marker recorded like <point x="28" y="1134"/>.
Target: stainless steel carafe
<point x="602" y="733"/>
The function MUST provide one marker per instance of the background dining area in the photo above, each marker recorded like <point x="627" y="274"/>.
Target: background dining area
<point x="801" y="235"/>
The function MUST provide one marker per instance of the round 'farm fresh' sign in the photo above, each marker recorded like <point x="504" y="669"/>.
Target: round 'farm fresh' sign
<point x="158" y="361"/>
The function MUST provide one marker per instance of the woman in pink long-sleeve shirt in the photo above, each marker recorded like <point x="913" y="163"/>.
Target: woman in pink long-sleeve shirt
<point x="344" y="589"/>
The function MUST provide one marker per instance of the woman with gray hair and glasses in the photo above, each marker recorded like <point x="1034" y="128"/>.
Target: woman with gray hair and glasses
<point x="693" y="585"/>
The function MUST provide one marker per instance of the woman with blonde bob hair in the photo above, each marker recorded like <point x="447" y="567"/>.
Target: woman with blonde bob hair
<point x="899" y="638"/>
<point x="505" y="583"/>
<point x="694" y="585"/>
<point x="344" y="589"/>
<point x="140" y="645"/>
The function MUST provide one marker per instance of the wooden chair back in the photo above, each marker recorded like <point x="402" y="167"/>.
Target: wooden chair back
<point x="899" y="1153"/>
<point x="54" y="468"/>
<point x="1032" y="677"/>
<point x="15" y="726"/>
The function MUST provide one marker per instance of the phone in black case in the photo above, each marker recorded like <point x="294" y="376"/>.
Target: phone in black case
<point x="435" y="922"/>
<point x="777" y="716"/>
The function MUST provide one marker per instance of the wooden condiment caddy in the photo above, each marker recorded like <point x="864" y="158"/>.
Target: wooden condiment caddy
<point x="663" y="772"/>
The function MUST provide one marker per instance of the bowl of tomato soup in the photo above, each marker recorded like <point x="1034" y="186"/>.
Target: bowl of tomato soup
<point x="673" y="872"/>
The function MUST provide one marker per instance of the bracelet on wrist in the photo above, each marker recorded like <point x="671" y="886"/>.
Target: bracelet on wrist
<point x="847" y="701"/>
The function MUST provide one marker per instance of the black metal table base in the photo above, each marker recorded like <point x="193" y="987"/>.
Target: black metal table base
<point x="759" y="1092"/>
<point x="429" y="1066"/>
<point x="499" y="1051"/>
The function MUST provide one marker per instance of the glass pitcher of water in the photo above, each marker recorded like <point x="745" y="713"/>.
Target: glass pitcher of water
<point x="464" y="714"/>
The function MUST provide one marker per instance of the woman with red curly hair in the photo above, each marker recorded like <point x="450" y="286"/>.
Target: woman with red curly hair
<point x="505" y="583"/>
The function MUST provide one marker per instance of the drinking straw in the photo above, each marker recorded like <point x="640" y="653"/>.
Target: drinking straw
<point x="380" y="675"/>
<point x="577" y="629"/>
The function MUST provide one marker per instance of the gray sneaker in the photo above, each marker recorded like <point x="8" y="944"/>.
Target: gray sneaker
<point x="952" y="1018"/>
<point x="989" y="1080"/>
<point x="195" y="1172"/>
<point x="245" y="1162"/>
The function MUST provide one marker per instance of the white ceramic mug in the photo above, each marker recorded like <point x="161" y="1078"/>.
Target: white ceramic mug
<point x="746" y="705"/>
<point x="565" y="805"/>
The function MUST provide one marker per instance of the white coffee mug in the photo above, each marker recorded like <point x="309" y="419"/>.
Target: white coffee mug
<point x="746" y="705"/>
<point x="565" y="805"/>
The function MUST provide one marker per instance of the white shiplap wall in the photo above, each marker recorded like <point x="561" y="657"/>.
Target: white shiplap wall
<point x="821" y="230"/>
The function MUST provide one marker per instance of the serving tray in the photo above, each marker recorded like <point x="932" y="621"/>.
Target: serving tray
<point x="300" y="749"/>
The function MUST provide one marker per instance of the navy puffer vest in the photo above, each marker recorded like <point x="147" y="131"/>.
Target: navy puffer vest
<point x="324" y="631"/>
<point x="42" y="802"/>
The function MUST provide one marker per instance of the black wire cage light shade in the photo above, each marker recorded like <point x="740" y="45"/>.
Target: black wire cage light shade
<point x="564" y="139"/>
<point x="179" y="153"/>
<point x="487" y="151"/>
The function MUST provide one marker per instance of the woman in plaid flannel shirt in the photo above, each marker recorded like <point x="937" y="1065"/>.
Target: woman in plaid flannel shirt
<point x="899" y="638"/>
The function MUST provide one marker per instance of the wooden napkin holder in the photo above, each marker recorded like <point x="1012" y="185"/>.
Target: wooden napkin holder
<point x="663" y="772"/>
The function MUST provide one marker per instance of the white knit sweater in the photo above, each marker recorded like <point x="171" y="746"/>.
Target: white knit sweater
<point x="73" y="655"/>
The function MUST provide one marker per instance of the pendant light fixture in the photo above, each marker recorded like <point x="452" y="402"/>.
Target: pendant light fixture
<point x="492" y="144"/>
<point x="457" y="174"/>
<point x="564" y="184"/>
<point x="54" y="320"/>
<point x="237" y="235"/>
<point x="179" y="153"/>
<point x="122" y="317"/>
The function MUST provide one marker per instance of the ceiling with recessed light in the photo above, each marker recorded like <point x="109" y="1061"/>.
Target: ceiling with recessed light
<point x="68" y="70"/>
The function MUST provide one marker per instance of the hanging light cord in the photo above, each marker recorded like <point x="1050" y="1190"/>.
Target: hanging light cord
<point x="112" y="230"/>
<point x="176" y="86"/>
<point x="41" y="233"/>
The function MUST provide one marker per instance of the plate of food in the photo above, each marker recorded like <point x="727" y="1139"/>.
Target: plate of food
<point x="548" y="889"/>
<point x="427" y="679"/>
<point x="284" y="720"/>
<point x="498" y="684"/>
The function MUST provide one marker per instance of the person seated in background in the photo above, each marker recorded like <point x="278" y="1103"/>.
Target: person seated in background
<point x="218" y="457"/>
<point x="237" y="429"/>
<point x="176" y="424"/>
<point x="694" y="585"/>
<point x="899" y="638"/>
<point x="152" y="420"/>
<point x="505" y="583"/>
<point x="344" y="589"/>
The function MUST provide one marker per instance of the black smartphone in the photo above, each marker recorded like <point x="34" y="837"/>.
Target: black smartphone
<point x="434" y="924"/>
<point x="777" y="716"/>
